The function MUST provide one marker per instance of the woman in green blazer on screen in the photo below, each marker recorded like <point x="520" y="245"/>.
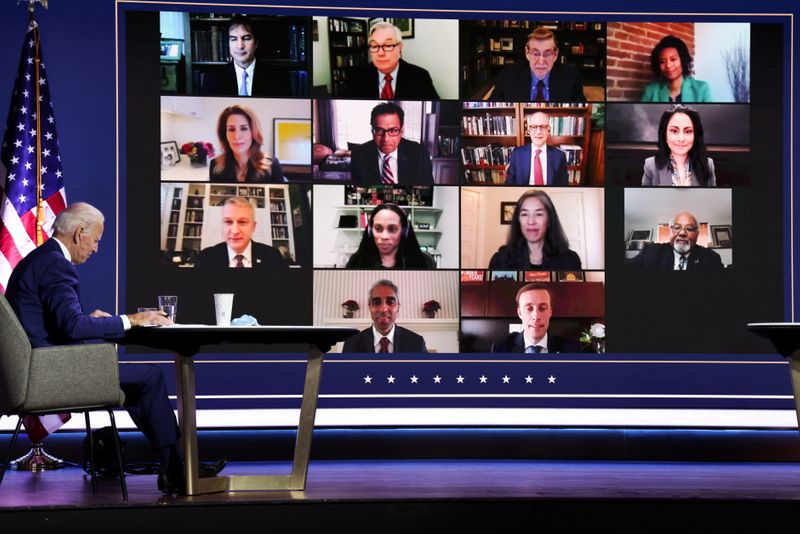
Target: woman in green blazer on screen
<point x="672" y="66"/>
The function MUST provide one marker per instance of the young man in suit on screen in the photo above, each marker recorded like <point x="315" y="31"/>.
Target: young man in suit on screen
<point x="388" y="76"/>
<point x="384" y="336"/>
<point x="537" y="163"/>
<point x="535" y="308"/>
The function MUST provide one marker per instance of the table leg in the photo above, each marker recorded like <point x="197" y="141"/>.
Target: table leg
<point x="305" y="428"/>
<point x="794" y="363"/>
<point x="187" y="420"/>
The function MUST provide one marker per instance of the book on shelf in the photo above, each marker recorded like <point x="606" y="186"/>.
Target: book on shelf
<point x="572" y="152"/>
<point x="488" y="125"/>
<point x="448" y="146"/>
<point x="574" y="176"/>
<point x="567" y="125"/>
<point x="492" y="154"/>
<point x="485" y="176"/>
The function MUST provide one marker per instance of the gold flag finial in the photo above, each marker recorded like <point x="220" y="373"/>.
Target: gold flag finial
<point x="32" y="8"/>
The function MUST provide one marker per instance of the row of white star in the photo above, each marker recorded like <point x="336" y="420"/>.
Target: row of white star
<point x="459" y="379"/>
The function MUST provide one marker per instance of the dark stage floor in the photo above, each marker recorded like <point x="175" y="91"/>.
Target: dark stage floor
<point x="424" y="496"/>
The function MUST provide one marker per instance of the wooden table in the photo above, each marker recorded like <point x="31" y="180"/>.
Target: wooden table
<point x="185" y="341"/>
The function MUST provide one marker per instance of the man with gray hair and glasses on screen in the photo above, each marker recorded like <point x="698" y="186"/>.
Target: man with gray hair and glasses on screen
<point x="388" y="76"/>
<point x="682" y="253"/>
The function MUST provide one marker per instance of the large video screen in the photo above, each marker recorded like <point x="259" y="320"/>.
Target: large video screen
<point x="573" y="219"/>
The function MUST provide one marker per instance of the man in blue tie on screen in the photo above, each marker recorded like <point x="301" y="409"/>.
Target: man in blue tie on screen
<point x="542" y="78"/>
<point x="44" y="292"/>
<point x="535" y="308"/>
<point x="240" y="75"/>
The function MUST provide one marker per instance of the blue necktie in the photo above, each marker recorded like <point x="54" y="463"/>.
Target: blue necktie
<point x="530" y="349"/>
<point x="243" y="88"/>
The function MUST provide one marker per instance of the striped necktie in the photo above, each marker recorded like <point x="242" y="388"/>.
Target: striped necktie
<point x="243" y="88"/>
<point x="387" y="92"/>
<point x="386" y="171"/>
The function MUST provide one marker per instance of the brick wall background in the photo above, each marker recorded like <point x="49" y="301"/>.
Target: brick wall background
<point x="629" y="48"/>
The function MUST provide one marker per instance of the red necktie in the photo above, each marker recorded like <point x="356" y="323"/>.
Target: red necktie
<point x="538" y="178"/>
<point x="384" y="344"/>
<point x="239" y="262"/>
<point x="387" y="92"/>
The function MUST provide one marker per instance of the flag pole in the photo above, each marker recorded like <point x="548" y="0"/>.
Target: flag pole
<point x="37" y="458"/>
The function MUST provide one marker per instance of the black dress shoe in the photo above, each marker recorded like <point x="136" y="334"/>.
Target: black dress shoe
<point x="212" y="469"/>
<point x="170" y="471"/>
<point x="171" y="483"/>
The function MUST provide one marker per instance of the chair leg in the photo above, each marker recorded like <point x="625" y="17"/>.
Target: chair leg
<point x="122" y="482"/>
<point x="89" y="436"/>
<point x="10" y="450"/>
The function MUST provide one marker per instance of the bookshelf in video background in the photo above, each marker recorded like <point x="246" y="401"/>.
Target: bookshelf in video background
<point x="491" y="130"/>
<point x="348" y="49"/>
<point x="359" y="201"/>
<point x="282" y="47"/>
<point x="487" y="46"/>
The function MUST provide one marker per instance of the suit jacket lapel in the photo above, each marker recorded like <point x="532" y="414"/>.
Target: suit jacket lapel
<point x="519" y="343"/>
<point x="551" y="166"/>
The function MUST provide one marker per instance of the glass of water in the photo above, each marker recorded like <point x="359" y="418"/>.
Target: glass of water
<point x="169" y="305"/>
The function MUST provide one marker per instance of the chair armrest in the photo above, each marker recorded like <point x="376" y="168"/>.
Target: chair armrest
<point x="73" y="377"/>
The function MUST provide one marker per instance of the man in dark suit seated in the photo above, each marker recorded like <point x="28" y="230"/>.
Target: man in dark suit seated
<point x="44" y="292"/>
<point x="388" y="158"/>
<point x="534" y="308"/>
<point x="682" y="253"/>
<point x="520" y="169"/>
<point x="239" y="250"/>
<point x="384" y="336"/>
<point x="240" y="75"/>
<point x="542" y="78"/>
<point x="388" y="76"/>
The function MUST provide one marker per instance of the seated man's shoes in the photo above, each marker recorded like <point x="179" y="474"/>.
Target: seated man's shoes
<point x="170" y="471"/>
<point x="211" y="470"/>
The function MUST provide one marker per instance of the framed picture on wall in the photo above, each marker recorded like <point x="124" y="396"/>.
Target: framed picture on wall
<point x="722" y="235"/>
<point x="170" y="155"/>
<point x="507" y="212"/>
<point x="291" y="140"/>
<point x="406" y="27"/>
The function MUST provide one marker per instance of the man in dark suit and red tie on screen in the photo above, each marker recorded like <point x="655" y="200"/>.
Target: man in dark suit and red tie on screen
<point x="239" y="250"/>
<point x="384" y="336"/>
<point x="44" y="292"/>
<point x="682" y="253"/>
<point x="388" y="76"/>
<point x="537" y="163"/>
<point x="388" y="158"/>
<point x="535" y="308"/>
<point x="542" y="78"/>
<point x="240" y="75"/>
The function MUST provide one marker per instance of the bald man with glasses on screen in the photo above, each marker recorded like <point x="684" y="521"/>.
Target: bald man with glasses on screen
<point x="388" y="158"/>
<point x="388" y="75"/>
<point x="537" y="163"/>
<point x="682" y="253"/>
<point x="542" y="78"/>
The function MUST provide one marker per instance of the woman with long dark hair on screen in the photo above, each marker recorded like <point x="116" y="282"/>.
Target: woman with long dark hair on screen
<point x="682" y="159"/>
<point x="389" y="242"/>
<point x="536" y="239"/>
<point x="672" y="67"/>
<point x="242" y="160"/>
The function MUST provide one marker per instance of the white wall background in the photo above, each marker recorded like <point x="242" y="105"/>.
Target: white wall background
<point x="580" y="210"/>
<point x="710" y="41"/>
<point x="189" y="119"/>
<point x="434" y="48"/>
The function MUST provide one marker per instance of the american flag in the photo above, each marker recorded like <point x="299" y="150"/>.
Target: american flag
<point x="33" y="191"/>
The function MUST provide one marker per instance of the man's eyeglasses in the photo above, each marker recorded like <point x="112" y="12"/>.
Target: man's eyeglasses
<point x="386" y="47"/>
<point x="547" y="54"/>
<point x="535" y="127"/>
<point x="690" y="229"/>
<point x="391" y="132"/>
